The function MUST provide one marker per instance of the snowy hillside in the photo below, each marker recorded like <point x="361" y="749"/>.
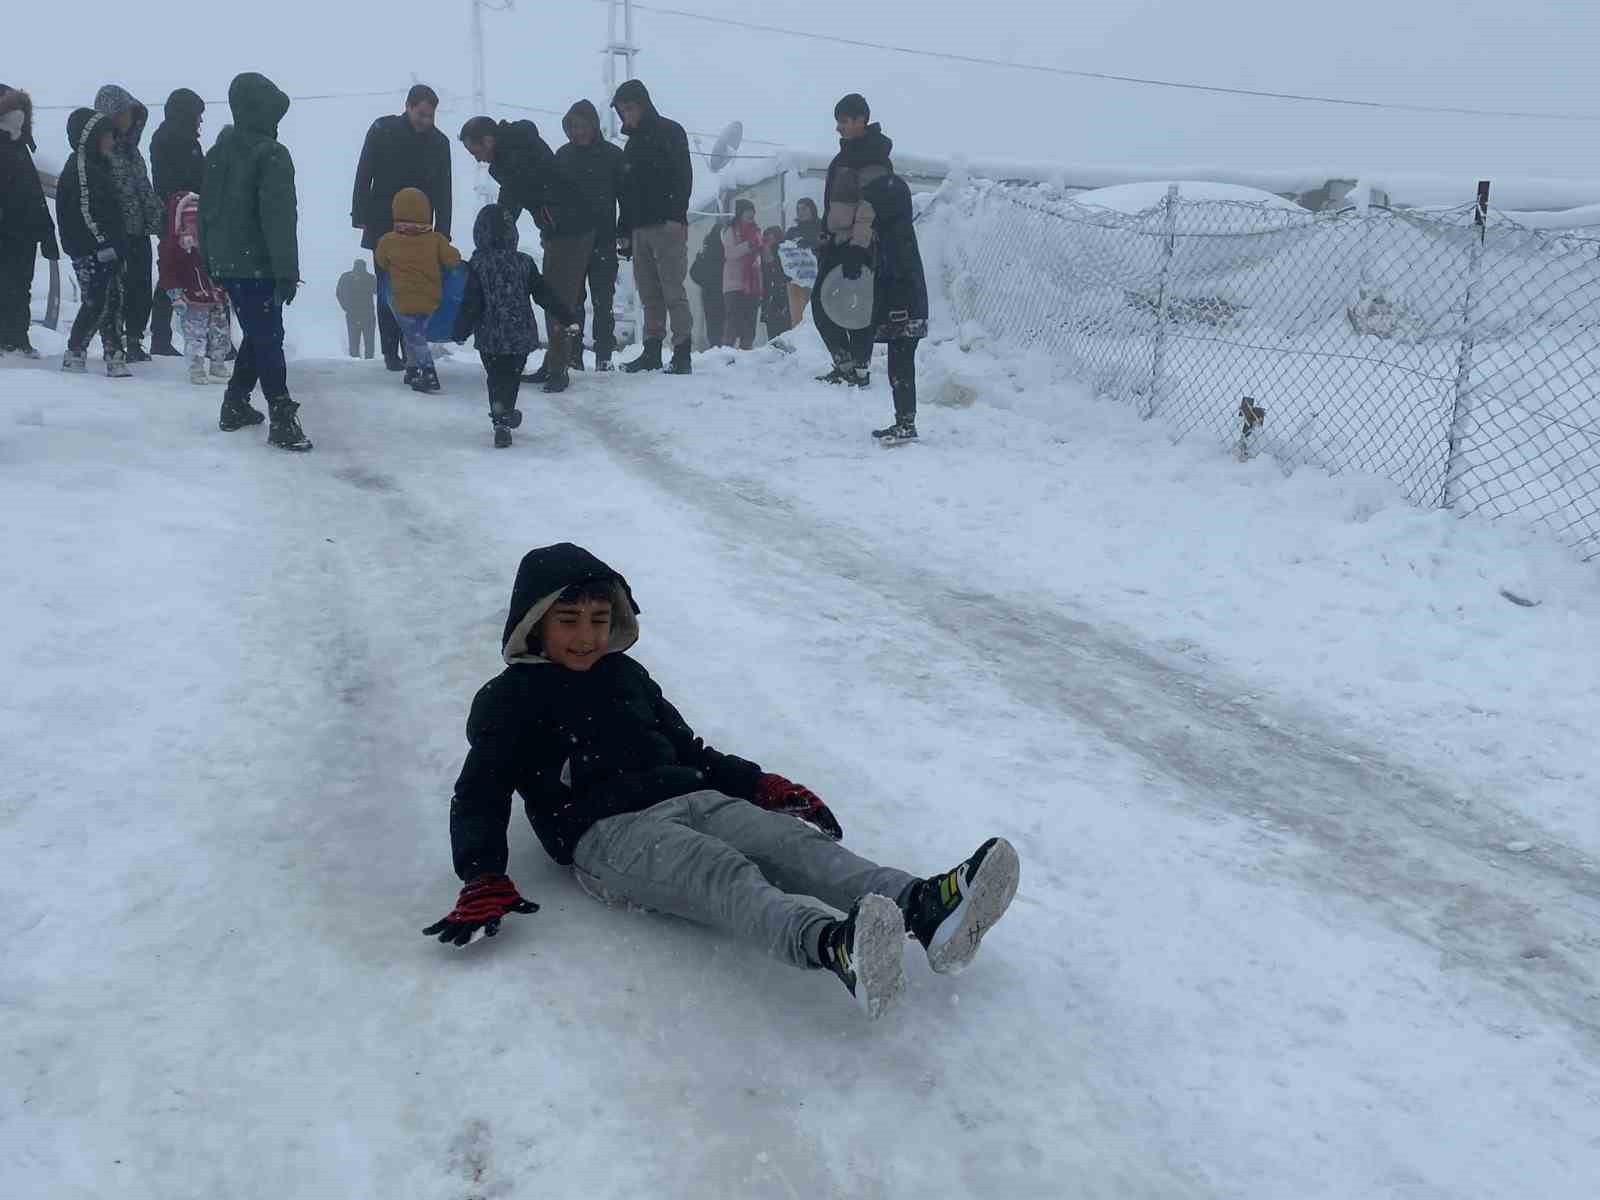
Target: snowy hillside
<point x="1310" y="902"/>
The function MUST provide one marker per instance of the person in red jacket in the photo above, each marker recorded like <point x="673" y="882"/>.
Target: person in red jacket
<point x="184" y="280"/>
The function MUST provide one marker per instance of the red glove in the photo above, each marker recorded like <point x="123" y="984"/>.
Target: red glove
<point x="478" y="910"/>
<point x="777" y="794"/>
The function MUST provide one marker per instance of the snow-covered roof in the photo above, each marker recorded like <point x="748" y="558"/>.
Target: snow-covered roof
<point x="1132" y="198"/>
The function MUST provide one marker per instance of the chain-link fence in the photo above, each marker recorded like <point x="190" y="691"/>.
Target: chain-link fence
<point x="1458" y="357"/>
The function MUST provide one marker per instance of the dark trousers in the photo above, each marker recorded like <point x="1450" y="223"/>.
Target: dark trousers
<point x="601" y="281"/>
<point x="16" y="282"/>
<point x="161" y="318"/>
<point x="903" y="378"/>
<point x="260" y="358"/>
<point x="566" y="260"/>
<point x="716" y="316"/>
<point x="505" y="377"/>
<point x="100" y="310"/>
<point x="138" y="289"/>
<point x="740" y="327"/>
<point x="360" y="330"/>
<point x="388" y="330"/>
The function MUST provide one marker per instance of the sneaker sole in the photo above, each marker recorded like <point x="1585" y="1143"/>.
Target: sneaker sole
<point x="989" y="894"/>
<point x="878" y="952"/>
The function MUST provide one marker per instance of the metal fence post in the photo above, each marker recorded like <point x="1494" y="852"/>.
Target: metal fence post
<point x="1461" y="417"/>
<point x="1159" y="354"/>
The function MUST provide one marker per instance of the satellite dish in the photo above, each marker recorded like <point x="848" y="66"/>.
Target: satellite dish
<point x="722" y="153"/>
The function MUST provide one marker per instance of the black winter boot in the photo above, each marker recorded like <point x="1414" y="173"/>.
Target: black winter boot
<point x="575" y="353"/>
<point x="542" y="375"/>
<point x="426" y="379"/>
<point x="681" y="364"/>
<point x="393" y="362"/>
<point x="237" y="412"/>
<point x="866" y="951"/>
<point x="136" y="352"/>
<point x="649" y="359"/>
<point x="285" y="432"/>
<point x="559" y="380"/>
<point x="903" y="430"/>
<point x="950" y="913"/>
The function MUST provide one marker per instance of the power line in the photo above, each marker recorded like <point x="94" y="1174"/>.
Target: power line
<point x="1216" y="89"/>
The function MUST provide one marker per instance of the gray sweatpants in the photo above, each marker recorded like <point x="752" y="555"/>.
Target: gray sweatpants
<point x="723" y="862"/>
<point x="660" y="265"/>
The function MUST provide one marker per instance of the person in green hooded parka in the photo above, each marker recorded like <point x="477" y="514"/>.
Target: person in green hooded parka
<point x="248" y="220"/>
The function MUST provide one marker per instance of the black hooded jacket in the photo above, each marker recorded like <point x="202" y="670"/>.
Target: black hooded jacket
<point x="501" y="282"/>
<point x="177" y="164"/>
<point x="578" y="746"/>
<point x="24" y="214"/>
<point x="530" y="178"/>
<point x="396" y="156"/>
<point x="88" y="205"/>
<point x="597" y="170"/>
<point x="657" y="176"/>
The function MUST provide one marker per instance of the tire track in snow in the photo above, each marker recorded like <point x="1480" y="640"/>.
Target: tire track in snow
<point x="1433" y="862"/>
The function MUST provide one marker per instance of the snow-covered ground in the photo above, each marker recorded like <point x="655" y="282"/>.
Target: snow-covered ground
<point x="1307" y="810"/>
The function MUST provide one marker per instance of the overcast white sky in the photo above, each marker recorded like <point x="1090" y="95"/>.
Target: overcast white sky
<point x="1537" y="54"/>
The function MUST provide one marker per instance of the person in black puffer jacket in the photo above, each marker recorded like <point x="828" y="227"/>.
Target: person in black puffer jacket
<point x="25" y="224"/>
<point x="89" y="216"/>
<point x="142" y="211"/>
<point x="616" y="784"/>
<point x="177" y="165"/>
<point x="531" y="178"/>
<point x="501" y="282"/>
<point x="596" y="166"/>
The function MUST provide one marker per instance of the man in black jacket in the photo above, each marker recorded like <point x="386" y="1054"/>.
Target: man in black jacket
<point x="596" y="166"/>
<point x="531" y="178"/>
<point x="25" y="224"/>
<point x="616" y="784"/>
<point x="400" y="152"/>
<point x="177" y="164"/>
<point x="654" y="226"/>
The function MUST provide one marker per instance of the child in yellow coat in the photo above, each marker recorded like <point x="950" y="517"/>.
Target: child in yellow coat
<point x="415" y="258"/>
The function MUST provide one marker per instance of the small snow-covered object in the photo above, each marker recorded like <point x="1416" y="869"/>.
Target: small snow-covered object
<point x="847" y="302"/>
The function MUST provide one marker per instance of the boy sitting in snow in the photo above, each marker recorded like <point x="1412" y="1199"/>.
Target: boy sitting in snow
<point x="618" y="786"/>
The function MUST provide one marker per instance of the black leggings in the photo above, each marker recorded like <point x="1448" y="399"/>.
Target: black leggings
<point x="505" y="377"/>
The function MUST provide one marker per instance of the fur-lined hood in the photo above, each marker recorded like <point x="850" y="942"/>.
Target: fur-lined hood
<point x="16" y="100"/>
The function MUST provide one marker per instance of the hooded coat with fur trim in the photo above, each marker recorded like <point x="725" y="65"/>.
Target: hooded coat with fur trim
<point x="503" y="284"/>
<point x="597" y="170"/>
<point x="24" y="213"/>
<point x="577" y="746"/>
<point x="414" y="255"/>
<point x="142" y="213"/>
<point x="248" y="213"/>
<point x="88" y="209"/>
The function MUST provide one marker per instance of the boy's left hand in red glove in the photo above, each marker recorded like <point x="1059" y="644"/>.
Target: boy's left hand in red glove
<point x="777" y="794"/>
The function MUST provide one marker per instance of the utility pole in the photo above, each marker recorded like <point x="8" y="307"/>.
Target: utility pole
<point x="480" y="84"/>
<point x="626" y="50"/>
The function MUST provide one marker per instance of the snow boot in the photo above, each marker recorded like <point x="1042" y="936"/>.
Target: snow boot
<point x="410" y="376"/>
<point x="502" y="437"/>
<point x="866" y="951"/>
<point x="393" y="362"/>
<point x="681" y="363"/>
<point x="950" y="913"/>
<point x="558" y="380"/>
<point x="74" y="364"/>
<point x="575" y="355"/>
<point x="504" y="423"/>
<point x="237" y="412"/>
<point x="284" y="432"/>
<point x="649" y="358"/>
<point x="425" y="379"/>
<point x="542" y="375"/>
<point x="136" y="353"/>
<point x="117" y="366"/>
<point x="199" y="372"/>
<point x="897" y="434"/>
<point x="848" y="376"/>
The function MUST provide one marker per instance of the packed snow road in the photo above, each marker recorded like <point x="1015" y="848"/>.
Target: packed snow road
<point x="1259" y="949"/>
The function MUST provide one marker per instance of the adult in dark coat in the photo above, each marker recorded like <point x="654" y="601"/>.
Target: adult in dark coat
<point x="596" y="167"/>
<point x="707" y="276"/>
<point x="357" y="293"/>
<point x="400" y="152"/>
<point x="25" y="224"/>
<point x="653" y="228"/>
<point x="143" y="213"/>
<point x="177" y="164"/>
<point x="531" y="178"/>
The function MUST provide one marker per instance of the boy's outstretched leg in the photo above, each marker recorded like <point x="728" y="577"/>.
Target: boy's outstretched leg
<point x="866" y="951"/>
<point x="949" y="913"/>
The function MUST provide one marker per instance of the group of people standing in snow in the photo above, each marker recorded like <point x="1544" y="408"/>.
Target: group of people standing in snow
<point x="227" y="225"/>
